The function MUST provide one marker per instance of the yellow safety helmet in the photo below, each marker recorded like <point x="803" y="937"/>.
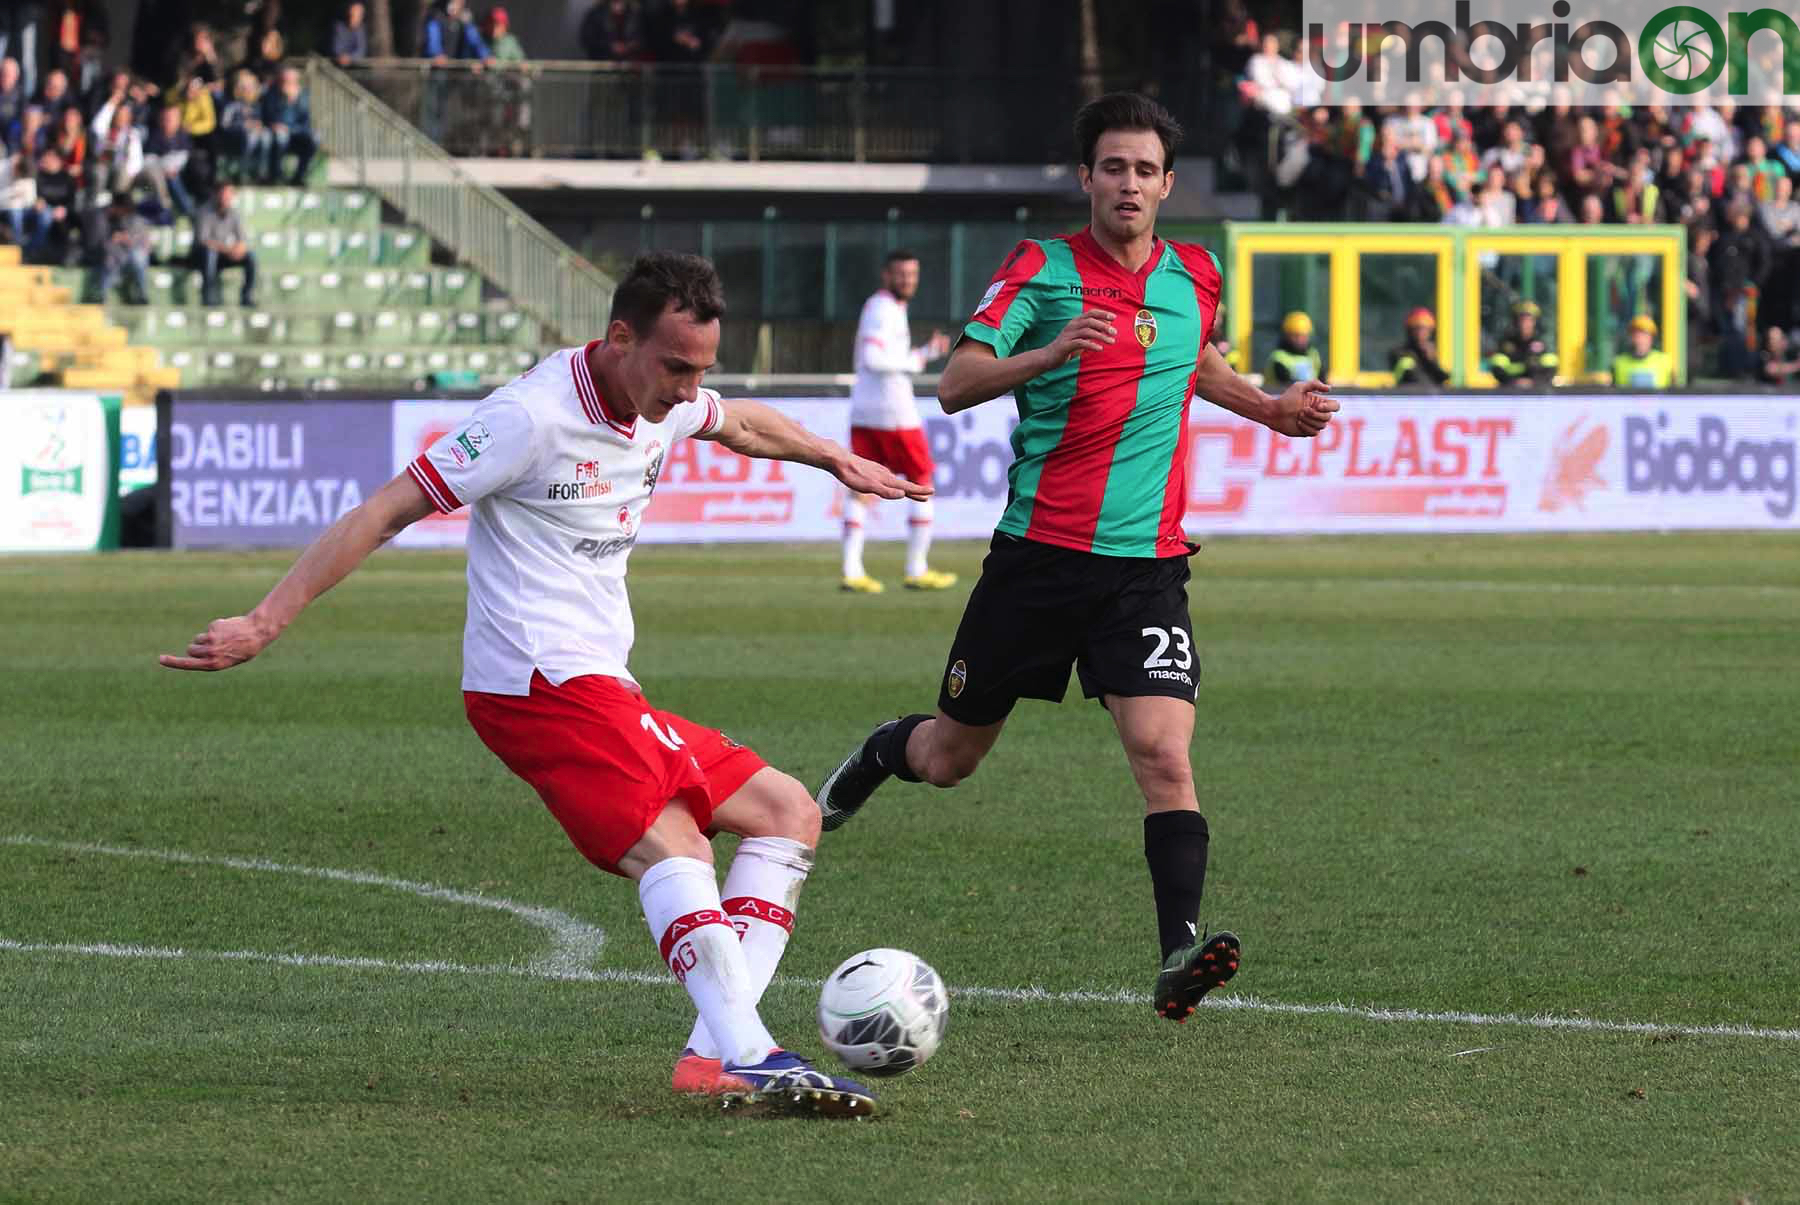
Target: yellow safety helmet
<point x="1296" y="323"/>
<point x="1522" y="308"/>
<point x="1645" y="323"/>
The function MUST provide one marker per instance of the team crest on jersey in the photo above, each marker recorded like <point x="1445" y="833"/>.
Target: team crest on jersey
<point x="1144" y="327"/>
<point x="625" y="519"/>
<point x="959" y="678"/>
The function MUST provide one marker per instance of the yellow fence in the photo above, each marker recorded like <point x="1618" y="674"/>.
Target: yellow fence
<point x="1358" y="281"/>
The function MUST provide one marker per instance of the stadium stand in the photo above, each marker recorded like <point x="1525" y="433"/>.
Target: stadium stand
<point x="1721" y="175"/>
<point x="53" y="340"/>
<point x="344" y="299"/>
<point x="349" y="292"/>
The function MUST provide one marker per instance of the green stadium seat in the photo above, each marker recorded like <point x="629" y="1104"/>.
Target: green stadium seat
<point x="291" y="288"/>
<point x="316" y="247"/>
<point x="344" y="326"/>
<point x="410" y="286"/>
<point x="510" y="326"/>
<point x="25" y="367"/>
<point x="358" y="286"/>
<point x="402" y="247"/>
<point x="358" y="247"/>
<point x="466" y="327"/>
<point x="332" y="287"/>
<point x="261" y="327"/>
<point x="382" y="326"/>
<point x="456" y="287"/>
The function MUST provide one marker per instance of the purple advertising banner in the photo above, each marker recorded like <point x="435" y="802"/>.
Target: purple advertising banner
<point x="246" y="474"/>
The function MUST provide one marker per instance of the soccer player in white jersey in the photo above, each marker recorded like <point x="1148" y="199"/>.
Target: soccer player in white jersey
<point x="558" y="466"/>
<point x="884" y="421"/>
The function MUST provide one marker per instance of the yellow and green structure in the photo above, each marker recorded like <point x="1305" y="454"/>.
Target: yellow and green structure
<point x="1359" y="281"/>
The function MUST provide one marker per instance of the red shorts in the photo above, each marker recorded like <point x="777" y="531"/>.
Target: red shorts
<point x="904" y="451"/>
<point x="605" y="762"/>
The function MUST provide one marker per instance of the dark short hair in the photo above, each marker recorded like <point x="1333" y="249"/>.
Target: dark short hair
<point x="1124" y="111"/>
<point x="658" y="280"/>
<point x="899" y="255"/>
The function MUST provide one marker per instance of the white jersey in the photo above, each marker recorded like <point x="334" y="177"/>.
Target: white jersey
<point x="886" y="360"/>
<point x="558" y="485"/>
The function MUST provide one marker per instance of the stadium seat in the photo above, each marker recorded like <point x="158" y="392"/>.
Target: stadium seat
<point x="343" y="298"/>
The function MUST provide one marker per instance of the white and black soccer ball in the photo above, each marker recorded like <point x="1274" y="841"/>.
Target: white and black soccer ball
<point x="883" y="1011"/>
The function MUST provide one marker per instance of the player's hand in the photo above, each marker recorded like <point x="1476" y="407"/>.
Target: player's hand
<point x="1304" y="410"/>
<point x="225" y="643"/>
<point x="937" y="346"/>
<point x="1091" y="330"/>
<point x="867" y="477"/>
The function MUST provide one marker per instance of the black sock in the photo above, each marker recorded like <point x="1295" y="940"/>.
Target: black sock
<point x="888" y="749"/>
<point x="1175" y="847"/>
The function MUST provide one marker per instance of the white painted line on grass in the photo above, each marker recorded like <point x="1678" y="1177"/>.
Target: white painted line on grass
<point x="1011" y="995"/>
<point x="573" y="944"/>
<point x="534" y="970"/>
<point x="1521" y="1020"/>
<point x="1506" y="586"/>
<point x="568" y="965"/>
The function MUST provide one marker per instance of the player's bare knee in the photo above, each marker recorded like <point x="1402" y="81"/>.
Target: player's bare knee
<point x="793" y="814"/>
<point x="1162" y="768"/>
<point x="947" y="767"/>
<point x="771" y="804"/>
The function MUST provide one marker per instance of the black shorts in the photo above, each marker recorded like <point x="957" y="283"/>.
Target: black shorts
<point x="1121" y="621"/>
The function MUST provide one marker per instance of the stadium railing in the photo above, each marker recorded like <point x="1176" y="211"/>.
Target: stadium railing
<point x="1358" y="281"/>
<point x="489" y="233"/>
<point x="578" y="109"/>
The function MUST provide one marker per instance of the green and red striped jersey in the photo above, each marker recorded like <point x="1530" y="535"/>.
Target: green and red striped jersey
<point x="1100" y="455"/>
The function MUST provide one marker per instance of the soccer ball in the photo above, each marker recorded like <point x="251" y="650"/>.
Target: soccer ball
<point x="883" y="1011"/>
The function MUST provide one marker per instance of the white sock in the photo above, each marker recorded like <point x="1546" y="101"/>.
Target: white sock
<point x="856" y="511"/>
<point x="918" y="538"/>
<point x="681" y="903"/>
<point x="760" y="892"/>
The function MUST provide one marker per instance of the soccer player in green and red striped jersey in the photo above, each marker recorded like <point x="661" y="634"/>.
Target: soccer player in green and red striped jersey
<point x="1103" y="338"/>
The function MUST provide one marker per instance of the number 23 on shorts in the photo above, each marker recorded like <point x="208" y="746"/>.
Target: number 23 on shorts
<point x="1163" y="638"/>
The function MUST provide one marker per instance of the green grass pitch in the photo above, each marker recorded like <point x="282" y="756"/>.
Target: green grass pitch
<point x="1496" y="776"/>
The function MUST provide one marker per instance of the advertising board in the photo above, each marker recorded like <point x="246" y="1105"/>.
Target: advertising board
<point x="279" y="472"/>
<point x="58" y="471"/>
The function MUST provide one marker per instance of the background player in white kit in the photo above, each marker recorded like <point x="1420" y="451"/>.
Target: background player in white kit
<point x="884" y="421"/>
<point x="559" y="465"/>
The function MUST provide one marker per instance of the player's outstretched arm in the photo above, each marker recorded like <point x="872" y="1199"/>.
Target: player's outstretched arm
<point x="975" y="374"/>
<point x="1300" y="411"/>
<point x="327" y="561"/>
<point x="764" y="433"/>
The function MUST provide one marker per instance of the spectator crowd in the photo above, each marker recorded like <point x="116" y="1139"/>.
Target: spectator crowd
<point x="1725" y="173"/>
<point x="92" y="159"/>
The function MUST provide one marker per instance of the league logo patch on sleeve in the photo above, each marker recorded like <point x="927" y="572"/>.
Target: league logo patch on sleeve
<point x="471" y="442"/>
<point x="987" y="298"/>
<point x="959" y="678"/>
